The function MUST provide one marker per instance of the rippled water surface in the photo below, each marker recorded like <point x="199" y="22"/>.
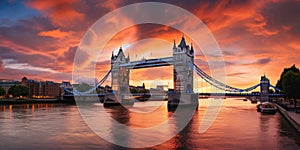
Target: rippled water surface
<point x="60" y="126"/>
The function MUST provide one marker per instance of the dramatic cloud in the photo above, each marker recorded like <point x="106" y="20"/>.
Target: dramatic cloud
<point x="258" y="27"/>
<point x="43" y="35"/>
<point x="61" y="12"/>
<point x="68" y="56"/>
<point x="13" y="64"/>
<point x="54" y="33"/>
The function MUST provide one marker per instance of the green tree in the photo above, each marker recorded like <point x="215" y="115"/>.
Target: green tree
<point x="2" y="91"/>
<point x="291" y="84"/>
<point x="82" y="87"/>
<point x="279" y="82"/>
<point x="18" y="90"/>
<point x="133" y="90"/>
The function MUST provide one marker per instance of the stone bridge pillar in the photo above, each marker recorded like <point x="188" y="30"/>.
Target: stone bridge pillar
<point x="120" y="75"/>
<point x="183" y="76"/>
<point x="264" y="89"/>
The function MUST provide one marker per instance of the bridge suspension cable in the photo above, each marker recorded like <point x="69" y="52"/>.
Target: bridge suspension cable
<point x="76" y="92"/>
<point x="278" y="89"/>
<point x="217" y="83"/>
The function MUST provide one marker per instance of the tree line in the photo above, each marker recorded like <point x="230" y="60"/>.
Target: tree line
<point x="289" y="82"/>
<point x="15" y="91"/>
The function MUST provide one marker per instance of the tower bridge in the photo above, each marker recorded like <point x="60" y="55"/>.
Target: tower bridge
<point x="182" y="73"/>
<point x="183" y="77"/>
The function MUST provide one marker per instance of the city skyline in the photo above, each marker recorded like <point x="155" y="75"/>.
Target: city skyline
<point x="40" y="39"/>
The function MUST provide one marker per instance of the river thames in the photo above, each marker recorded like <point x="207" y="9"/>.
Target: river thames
<point x="60" y="126"/>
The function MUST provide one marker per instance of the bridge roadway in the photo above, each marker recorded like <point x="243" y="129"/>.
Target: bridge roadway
<point x="200" y="94"/>
<point x="146" y="63"/>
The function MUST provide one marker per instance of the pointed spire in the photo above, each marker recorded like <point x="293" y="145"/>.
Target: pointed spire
<point x="127" y="59"/>
<point x="112" y="55"/>
<point x="120" y="51"/>
<point x="192" y="46"/>
<point x="174" y="46"/>
<point x="182" y="42"/>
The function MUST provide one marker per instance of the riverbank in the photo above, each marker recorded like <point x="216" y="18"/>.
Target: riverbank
<point x="291" y="116"/>
<point x="33" y="101"/>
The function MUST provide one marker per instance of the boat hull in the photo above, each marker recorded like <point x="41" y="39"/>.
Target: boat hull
<point x="266" y="108"/>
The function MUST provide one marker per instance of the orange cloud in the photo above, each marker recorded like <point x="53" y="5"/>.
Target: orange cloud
<point x="61" y="12"/>
<point x="57" y="33"/>
<point x="224" y="14"/>
<point x="112" y="4"/>
<point x="258" y="27"/>
<point x="249" y="33"/>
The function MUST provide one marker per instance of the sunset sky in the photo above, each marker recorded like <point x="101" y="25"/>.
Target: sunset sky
<point x="39" y="38"/>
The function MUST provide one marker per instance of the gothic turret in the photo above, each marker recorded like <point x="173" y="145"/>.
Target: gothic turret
<point x="120" y="50"/>
<point x="174" y="45"/>
<point x="128" y="58"/>
<point x="192" y="49"/>
<point x="112" y="55"/>
<point x="182" y="43"/>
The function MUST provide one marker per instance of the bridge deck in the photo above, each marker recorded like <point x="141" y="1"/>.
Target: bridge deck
<point x="146" y="63"/>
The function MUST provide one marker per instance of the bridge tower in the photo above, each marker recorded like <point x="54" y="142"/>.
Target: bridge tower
<point x="183" y="75"/>
<point x="264" y="89"/>
<point x="119" y="74"/>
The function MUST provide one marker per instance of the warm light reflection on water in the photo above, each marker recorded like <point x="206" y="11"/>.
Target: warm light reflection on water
<point x="59" y="126"/>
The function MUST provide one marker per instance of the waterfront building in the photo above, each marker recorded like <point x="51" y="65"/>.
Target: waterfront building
<point x="39" y="89"/>
<point x="159" y="90"/>
<point x="138" y="89"/>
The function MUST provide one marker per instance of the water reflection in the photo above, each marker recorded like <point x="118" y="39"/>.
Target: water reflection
<point x="57" y="126"/>
<point x="120" y="114"/>
<point x="25" y="106"/>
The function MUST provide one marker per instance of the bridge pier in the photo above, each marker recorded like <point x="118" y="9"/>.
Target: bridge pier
<point x="264" y="89"/>
<point x="119" y="80"/>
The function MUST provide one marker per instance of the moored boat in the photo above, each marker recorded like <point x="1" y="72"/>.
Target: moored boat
<point x="267" y="108"/>
<point x="253" y="100"/>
